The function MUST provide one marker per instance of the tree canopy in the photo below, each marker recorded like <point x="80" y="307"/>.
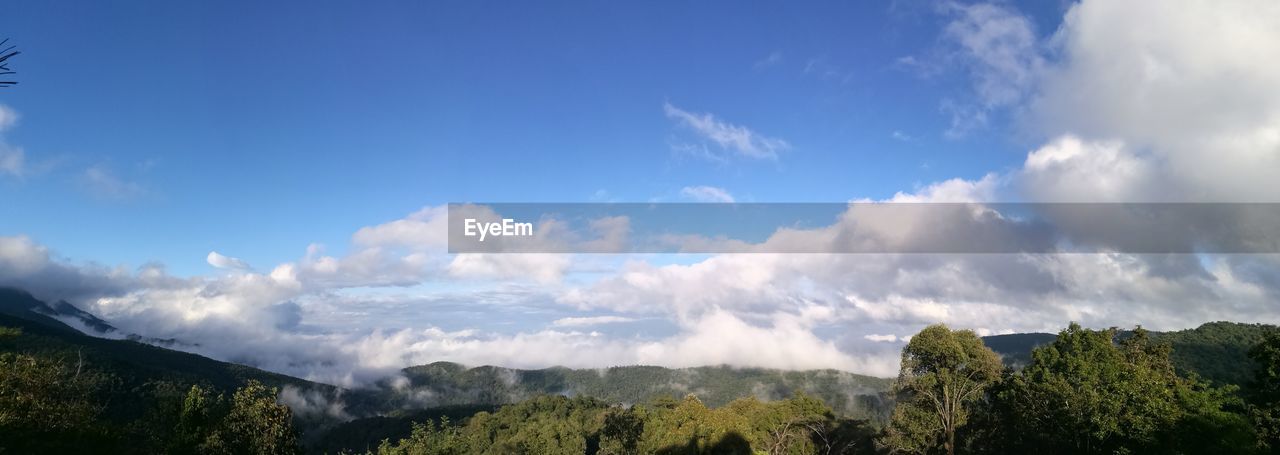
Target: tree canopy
<point x="943" y="373"/>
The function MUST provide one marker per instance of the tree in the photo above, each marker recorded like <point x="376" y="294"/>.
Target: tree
<point x="426" y="439"/>
<point x="204" y="422"/>
<point x="943" y="373"/>
<point x="46" y="404"/>
<point x="1088" y="393"/>
<point x="258" y="424"/>
<point x="621" y="432"/>
<point x="1264" y="393"/>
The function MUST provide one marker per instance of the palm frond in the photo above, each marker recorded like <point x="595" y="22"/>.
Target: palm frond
<point x="5" y="54"/>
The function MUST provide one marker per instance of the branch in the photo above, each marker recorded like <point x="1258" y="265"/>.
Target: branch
<point x="5" y="54"/>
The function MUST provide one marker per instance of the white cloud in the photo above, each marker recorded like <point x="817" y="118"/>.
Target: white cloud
<point x="1002" y="55"/>
<point x="424" y="230"/>
<point x="1001" y="49"/>
<point x="1181" y="92"/>
<point x="1069" y="169"/>
<point x="955" y="190"/>
<point x="706" y="194"/>
<point x="734" y="138"/>
<point x="225" y="262"/>
<point x="881" y="338"/>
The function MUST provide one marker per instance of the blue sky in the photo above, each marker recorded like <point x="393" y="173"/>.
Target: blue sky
<point x="258" y="129"/>
<point x="269" y="181"/>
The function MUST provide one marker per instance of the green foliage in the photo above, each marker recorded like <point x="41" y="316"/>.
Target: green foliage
<point x="48" y="405"/>
<point x="943" y="373"/>
<point x="61" y="396"/>
<point x="452" y="384"/>
<point x="621" y="433"/>
<point x="1217" y="351"/>
<point x="427" y="439"/>
<point x="257" y="424"/>
<point x="1086" y="393"/>
<point x="202" y="422"/>
<point x="561" y="425"/>
<point x="1264" y="396"/>
<point x="365" y="434"/>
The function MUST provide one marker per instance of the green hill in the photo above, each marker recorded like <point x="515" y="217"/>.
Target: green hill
<point x="135" y="375"/>
<point x="1015" y="349"/>
<point x="132" y="361"/>
<point x="1215" y="351"/>
<point x="445" y="383"/>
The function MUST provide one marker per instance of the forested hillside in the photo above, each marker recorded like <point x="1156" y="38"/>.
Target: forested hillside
<point x="444" y="383"/>
<point x="1216" y="351"/>
<point x="1212" y="389"/>
<point x="1085" y="391"/>
<point x="449" y="389"/>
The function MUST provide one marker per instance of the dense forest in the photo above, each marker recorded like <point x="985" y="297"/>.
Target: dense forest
<point x="451" y="384"/>
<point x="1213" y="389"/>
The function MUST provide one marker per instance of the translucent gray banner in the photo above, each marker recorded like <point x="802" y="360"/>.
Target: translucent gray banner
<point x="854" y="228"/>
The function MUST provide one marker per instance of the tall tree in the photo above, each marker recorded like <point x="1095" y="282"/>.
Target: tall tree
<point x="943" y="373"/>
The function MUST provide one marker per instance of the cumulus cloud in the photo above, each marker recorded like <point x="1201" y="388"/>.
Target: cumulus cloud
<point x="1181" y="95"/>
<point x="706" y="194"/>
<point x="424" y="230"/>
<point x="1136" y="101"/>
<point x="1069" y="169"/>
<point x="737" y="139"/>
<point x="259" y="319"/>
<point x="955" y="190"/>
<point x="31" y="266"/>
